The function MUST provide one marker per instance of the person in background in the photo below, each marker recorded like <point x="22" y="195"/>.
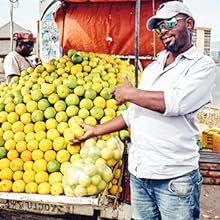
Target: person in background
<point x="163" y="158"/>
<point x="17" y="61"/>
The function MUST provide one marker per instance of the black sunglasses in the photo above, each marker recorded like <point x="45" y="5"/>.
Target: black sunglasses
<point x="29" y="46"/>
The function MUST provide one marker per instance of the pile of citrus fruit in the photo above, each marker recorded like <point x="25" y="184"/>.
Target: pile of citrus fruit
<point x="40" y="113"/>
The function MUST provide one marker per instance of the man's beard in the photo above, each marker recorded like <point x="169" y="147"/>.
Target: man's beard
<point x="172" y="48"/>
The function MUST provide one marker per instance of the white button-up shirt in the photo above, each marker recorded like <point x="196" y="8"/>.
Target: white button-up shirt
<point x="164" y="145"/>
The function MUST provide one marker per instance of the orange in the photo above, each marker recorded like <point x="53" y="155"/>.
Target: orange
<point x="26" y="155"/>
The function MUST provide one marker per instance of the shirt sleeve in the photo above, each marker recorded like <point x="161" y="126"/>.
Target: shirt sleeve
<point x="193" y="91"/>
<point x="11" y="66"/>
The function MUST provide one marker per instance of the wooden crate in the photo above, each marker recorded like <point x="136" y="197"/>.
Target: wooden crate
<point x="209" y="164"/>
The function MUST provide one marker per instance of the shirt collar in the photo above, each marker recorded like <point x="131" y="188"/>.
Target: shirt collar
<point x="190" y="54"/>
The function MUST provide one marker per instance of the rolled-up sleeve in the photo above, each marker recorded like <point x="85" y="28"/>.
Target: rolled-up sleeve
<point x="193" y="90"/>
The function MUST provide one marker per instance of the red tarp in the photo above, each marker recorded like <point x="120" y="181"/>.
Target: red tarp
<point x="106" y="27"/>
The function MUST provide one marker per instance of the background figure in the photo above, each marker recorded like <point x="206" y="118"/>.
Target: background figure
<point x="17" y="61"/>
<point x="163" y="158"/>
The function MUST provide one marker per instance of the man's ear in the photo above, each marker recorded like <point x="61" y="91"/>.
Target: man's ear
<point x="190" y="23"/>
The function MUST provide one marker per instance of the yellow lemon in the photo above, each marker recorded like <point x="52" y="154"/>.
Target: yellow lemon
<point x="50" y="155"/>
<point x="44" y="188"/>
<point x="55" y="177"/>
<point x="30" y="136"/>
<point x="59" y="143"/>
<point x="51" y="123"/>
<point x="10" y="107"/>
<point x="31" y="187"/>
<point x="26" y="98"/>
<point x="99" y="102"/>
<point x="28" y="165"/>
<point x="41" y="177"/>
<point x="10" y="144"/>
<point x="40" y="165"/>
<point x="56" y="189"/>
<point x="12" y="154"/>
<point x="45" y="145"/>
<point x="6" y="174"/>
<point x="25" y="118"/>
<point x="17" y="126"/>
<point x="31" y="106"/>
<point x="4" y="163"/>
<point x="28" y="128"/>
<point x="19" y="136"/>
<point x="37" y="154"/>
<point x="5" y="185"/>
<point x="111" y="103"/>
<point x="18" y="175"/>
<point x="40" y="135"/>
<point x="63" y="156"/>
<point x="75" y="157"/>
<point x="6" y="126"/>
<point x="12" y="117"/>
<point x="21" y="146"/>
<point x="20" y="108"/>
<point x="73" y="149"/>
<point x="8" y="135"/>
<point x="52" y="134"/>
<point x="114" y="189"/>
<point x="39" y="126"/>
<point x="18" y="186"/>
<point x="62" y="126"/>
<point x="17" y="164"/>
<point x="32" y="145"/>
<point x="3" y="116"/>
<point x="90" y="120"/>
<point x="63" y="166"/>
<point x="29" y="176"/>
<point x="109" y="112"/>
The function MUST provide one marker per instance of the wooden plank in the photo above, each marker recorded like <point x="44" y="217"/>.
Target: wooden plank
<point x="211" y="181"/>
<point x="209" y="166"/>
<point x="209" y="157"/>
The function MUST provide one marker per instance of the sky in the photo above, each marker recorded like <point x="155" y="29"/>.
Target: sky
<point x="205" y="12"/>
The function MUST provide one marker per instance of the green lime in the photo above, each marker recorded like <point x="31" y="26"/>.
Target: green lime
<point x="3" y="152"/>
<point x="53" y="166"/>
<point x="71" y="52"/>
<point x="76" y="59"/>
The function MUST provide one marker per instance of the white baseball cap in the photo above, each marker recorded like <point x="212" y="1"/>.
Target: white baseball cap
<point x="166" y="11"/>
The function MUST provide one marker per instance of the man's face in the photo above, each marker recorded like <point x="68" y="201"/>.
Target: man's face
<point x="173" y="33"/>
<point x="27" y="48"/>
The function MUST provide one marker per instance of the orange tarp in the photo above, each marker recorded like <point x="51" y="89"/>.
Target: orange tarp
<point x="105" y="27"/>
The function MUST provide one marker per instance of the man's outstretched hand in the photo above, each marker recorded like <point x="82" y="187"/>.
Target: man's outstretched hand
<point x="89" y="132"/>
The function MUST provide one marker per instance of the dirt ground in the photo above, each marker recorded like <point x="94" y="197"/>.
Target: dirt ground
<point x="210" y="202"/>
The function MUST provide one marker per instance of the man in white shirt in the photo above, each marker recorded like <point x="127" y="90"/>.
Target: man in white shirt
<point x="163" y="157"/>
<point x="17" y="61"/>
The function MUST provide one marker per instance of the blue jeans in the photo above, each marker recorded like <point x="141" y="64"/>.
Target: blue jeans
<point x="170" y="199"/>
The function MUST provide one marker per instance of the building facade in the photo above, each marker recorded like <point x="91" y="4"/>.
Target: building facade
<point x="202" y="39"/>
